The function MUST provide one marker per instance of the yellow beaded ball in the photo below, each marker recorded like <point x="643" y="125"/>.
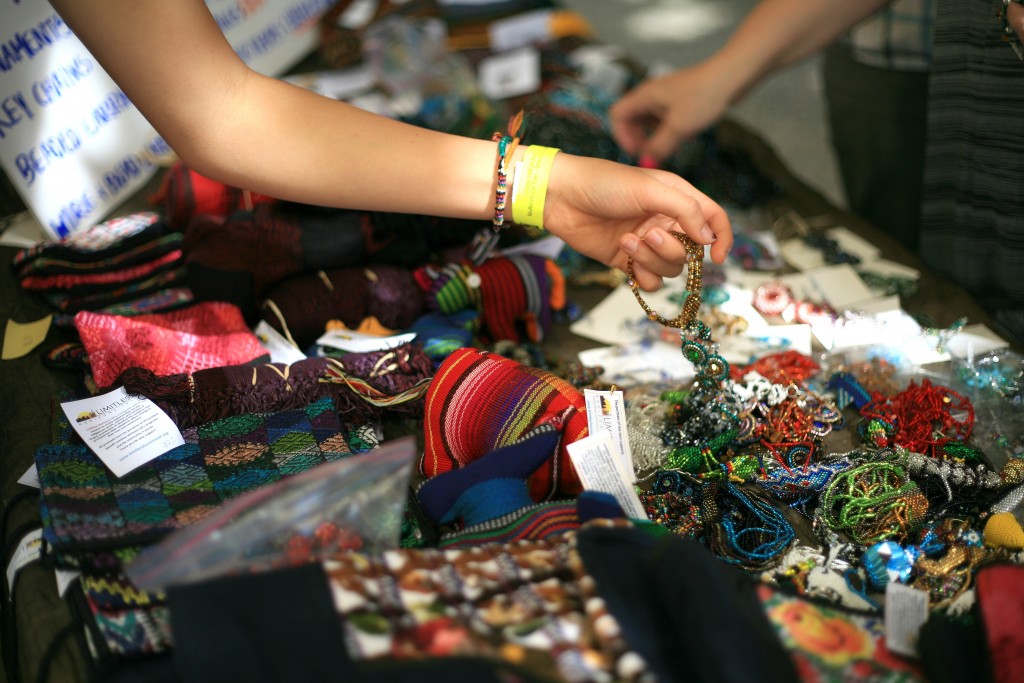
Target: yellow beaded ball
<point x="1002" y="530"/>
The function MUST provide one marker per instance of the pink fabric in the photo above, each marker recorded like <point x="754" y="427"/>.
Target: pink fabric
<point x="207" y="335"/>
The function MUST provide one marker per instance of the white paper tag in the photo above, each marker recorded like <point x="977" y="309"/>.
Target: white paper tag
<point x="31" y="477"/>
<point x="600" y="470"/>
<point x="840" y="286"/>
<point x="29" y="550"/>
<point x="357" y="342"/>
<point x="281" y="350"/>
<point x="906" y="611"/>
<point x="606" y="412"/>
<point x="520" y="30"/>
<point x="510" y="74"/>
<point x="123" y="431"/>
<point x="64" y="579"/>
<point x="975" y="340"/>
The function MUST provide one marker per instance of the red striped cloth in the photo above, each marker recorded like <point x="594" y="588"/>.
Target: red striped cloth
<point x="480" y="401"/>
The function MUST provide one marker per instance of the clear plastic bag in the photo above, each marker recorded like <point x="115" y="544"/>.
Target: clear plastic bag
<point x="353" y="503"/>
<point x="994" y="383"/>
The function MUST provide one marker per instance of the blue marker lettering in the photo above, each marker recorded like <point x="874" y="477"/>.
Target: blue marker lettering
<point x="13" y="109"/>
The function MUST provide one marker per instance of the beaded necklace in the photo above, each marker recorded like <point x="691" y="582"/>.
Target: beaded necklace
<point x="923" y="417"/>
<point x="743" y="527"/>
<point x="872" y="502"/>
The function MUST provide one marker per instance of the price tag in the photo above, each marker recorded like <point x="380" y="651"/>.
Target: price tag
<point x="600" y="470"/>
<point x="123" y="431"/>
<point x="606" y="412"/>
<point x="906" y="611"/>
<point x="29" y="550"/>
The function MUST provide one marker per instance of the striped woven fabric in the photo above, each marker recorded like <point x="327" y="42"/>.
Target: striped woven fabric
<point x="529" y="524"/>
<point x="86" y="509"/>
<point x="102" y="240"/>
<point x="103" y="278"/>
<point x="129" y="622"/>
<point x="480" y="401"/>
<point x="516" y="295"/>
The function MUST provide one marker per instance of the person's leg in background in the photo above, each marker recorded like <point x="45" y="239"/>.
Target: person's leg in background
<point x="877" y="120"/>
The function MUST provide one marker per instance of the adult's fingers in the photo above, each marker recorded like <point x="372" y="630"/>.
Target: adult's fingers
<point x="664" y="141"/>
<point x="628" y="121"/>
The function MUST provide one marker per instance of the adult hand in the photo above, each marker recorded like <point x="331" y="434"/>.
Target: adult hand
<point x="655" y="117"/>
<point x="1015" y="18"/>
<point x="611" y="212"/>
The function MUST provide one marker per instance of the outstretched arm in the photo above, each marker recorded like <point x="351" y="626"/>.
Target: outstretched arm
<point x="653" y="118"/>
<point x="230" y="123"/>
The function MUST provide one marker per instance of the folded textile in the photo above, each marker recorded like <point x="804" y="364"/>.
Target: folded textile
<point x="102" y="240"/>
<point x="515" y="295"/>
<point x="1001" y="608"/>
<point x="358" y="384"/>
<point x="128" y="256"/>
<point x="101" y="279"/>
<point x="301" y="306"/>
<point x="184" y="194"/>
<point x="242" y="256"/>
<point x="129" y="622"/>
<point x="479" y="402"/>
<point x="159" y="284"/>
<point x="205" y="335"/>
<point x="442" y="334"/>
<point x="84" y="507"/>
<point x="532" y="602"/>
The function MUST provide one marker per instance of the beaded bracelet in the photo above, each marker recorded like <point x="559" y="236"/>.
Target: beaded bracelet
<point x="486" y="240"/>
<point x="694" y="269"/>
<point x="498" y="222"/>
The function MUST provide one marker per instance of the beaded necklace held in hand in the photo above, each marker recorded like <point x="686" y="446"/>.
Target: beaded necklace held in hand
<point x="741" y="527"/>
<point x="694" y="271"/>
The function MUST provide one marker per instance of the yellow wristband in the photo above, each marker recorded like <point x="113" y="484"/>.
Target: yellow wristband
<point x="530" y="185"/>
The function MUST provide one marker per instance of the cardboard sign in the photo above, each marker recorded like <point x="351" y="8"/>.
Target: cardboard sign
<point x="71" y="142"/>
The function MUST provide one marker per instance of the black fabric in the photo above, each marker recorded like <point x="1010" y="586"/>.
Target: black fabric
<point x="153" y="669"/>
<point x="275" y="627"/>
<point x="954" y="650"/>
<point x="281" y="627"/>
<point x="8" y="623"/>
<point x="446" y="670"/>
<point x="692" y="617"/>
<point x="877" y="127"/>
<point x="236" y="287"/>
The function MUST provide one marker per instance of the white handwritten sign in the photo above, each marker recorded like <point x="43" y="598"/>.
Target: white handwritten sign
<point x="72" y="144"/>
